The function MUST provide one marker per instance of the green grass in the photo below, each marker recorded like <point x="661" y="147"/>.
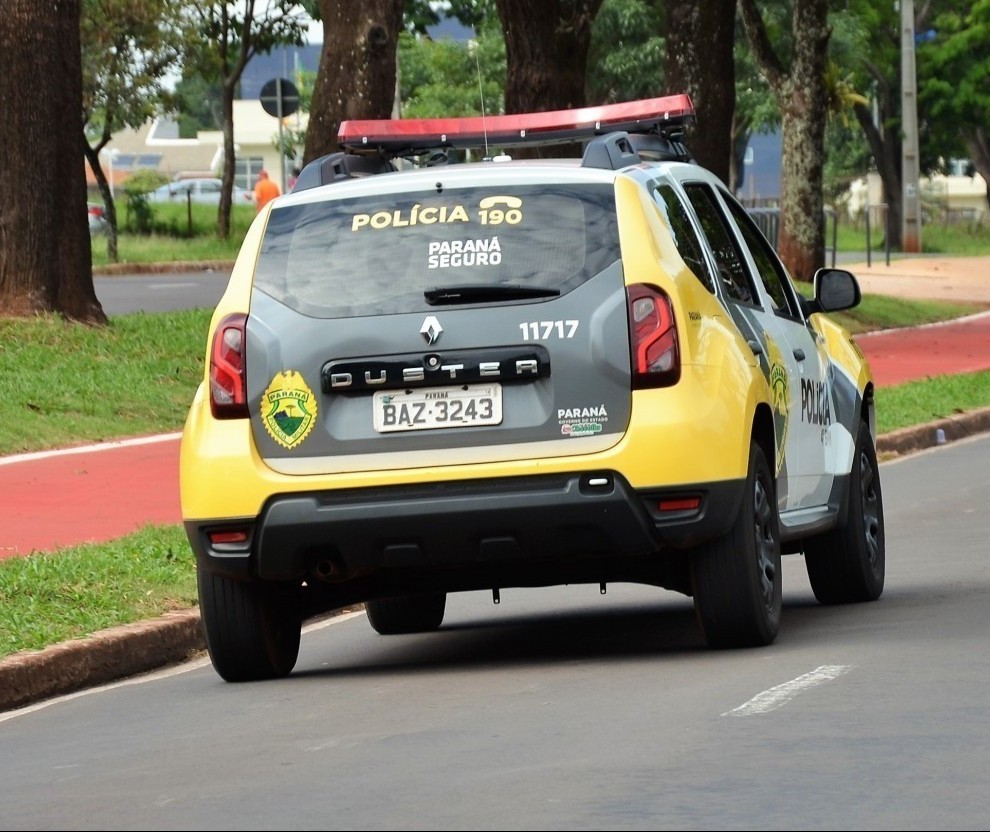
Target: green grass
<point x="919" y="402"/>
<point x="64" y="384"/>
<point x="49" y="598"/>
<point x="179" y="236"/>
<point x="958" y="240"/>
<point x="884" y="312"/>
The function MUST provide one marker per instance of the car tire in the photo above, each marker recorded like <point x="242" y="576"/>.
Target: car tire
<point x="407" y="613"/>
<point x="847" y="564"/>
<point x="736" y="579"/>
<point x="252" y="630"/>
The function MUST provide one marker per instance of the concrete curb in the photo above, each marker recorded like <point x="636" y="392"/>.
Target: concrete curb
<point x="118" y="652"/>
<point x="115" y="269"/>
<point x="30" y="676"/>
<point x="919" y="437"/>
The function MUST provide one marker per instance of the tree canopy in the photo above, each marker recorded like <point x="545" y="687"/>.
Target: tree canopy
<point x="224" y="37"/>
<point x="129" y="47"/>
<point x="953" y="87"/>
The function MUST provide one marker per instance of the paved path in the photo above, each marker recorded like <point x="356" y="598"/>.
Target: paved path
<point x="897" y="356"/>
<point x="926" y="277"/>
<point x="92" y="493"/>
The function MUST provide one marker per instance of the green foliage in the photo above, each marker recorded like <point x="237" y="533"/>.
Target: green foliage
<point x="421" y="14"/>
<point x="953" y="68"/>
<point x="847" y="157"/>
<point x="441" y="78"/>
<point x="756" y="107"/>
<point x="224" y="38"/>
<point x="216" y="47"/>
<point x="627" y="52"/>
<point x="128" y="49"/>
<point x="199" y="104"/>
<point x="138" y="213"/>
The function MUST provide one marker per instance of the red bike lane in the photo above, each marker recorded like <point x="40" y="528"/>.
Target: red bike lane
<point x="101" y="492"/>
<point x="91" y="493"/>
<point x="901" y="355"/>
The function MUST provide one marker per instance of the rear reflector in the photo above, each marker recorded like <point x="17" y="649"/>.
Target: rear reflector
<point x="680" y="504"/>
<point x="228" y="537"/>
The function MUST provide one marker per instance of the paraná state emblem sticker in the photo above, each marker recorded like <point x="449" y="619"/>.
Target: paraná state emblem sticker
<point x="288" y="409"/>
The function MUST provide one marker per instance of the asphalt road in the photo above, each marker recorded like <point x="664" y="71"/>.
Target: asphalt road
<point x="566" y="709"/>
<point x="165" y="292"/>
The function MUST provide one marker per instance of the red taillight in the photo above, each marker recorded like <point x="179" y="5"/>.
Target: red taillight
<point x="653" y="338"/>
<point x="228" y="374"/>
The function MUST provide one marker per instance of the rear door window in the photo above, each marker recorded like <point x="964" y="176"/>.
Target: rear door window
<point x="378" y="255"/>
<point x="685" y="236"/>
<point x="737" y="282"/>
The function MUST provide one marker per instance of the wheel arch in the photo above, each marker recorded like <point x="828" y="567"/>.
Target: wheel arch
<point x="763" y="433"/>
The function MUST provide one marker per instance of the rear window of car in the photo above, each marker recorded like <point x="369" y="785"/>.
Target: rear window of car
<point x="378" y="255"/>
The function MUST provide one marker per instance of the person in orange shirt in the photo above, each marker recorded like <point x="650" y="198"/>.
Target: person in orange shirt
<point x="264" y="191"/>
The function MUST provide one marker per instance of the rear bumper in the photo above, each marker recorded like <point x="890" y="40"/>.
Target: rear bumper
<point x="536" y="530"/>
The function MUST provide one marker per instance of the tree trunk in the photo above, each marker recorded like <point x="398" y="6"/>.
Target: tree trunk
<point x="886" y="150"/>
<point x="229" y="158"/>
<point x="356" y="77"/>
<point x="109" y="203"/>
<point x="979" y="152"/>
<point x="800" y="92"/>
<point x="45" y="254"/>
<point x="546" y="53"/>
<point x="801" y="244"/>
<point x="700" y="39"/>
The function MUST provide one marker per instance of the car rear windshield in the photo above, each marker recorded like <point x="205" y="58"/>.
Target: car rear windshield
<point x="378" y="255"/>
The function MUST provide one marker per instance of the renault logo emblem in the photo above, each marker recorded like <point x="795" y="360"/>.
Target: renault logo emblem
<point x="431" y="329"/>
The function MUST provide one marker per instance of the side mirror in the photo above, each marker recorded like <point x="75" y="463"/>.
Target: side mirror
<point x="835" y="290"/>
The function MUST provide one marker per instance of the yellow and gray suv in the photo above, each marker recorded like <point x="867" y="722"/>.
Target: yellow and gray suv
<point x="430" y="375"/>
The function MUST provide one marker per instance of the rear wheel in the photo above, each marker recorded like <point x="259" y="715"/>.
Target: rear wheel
<point x="847" y="564"/>
<point x="407" y="613"/>
<point x="252" y="629"/>
<point x="736" y="579"/>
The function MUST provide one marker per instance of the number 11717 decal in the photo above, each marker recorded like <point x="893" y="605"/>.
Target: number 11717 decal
<point x="545" y="330"/>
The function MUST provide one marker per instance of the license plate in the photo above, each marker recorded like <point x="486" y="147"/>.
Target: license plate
<point x="437" y="407"/>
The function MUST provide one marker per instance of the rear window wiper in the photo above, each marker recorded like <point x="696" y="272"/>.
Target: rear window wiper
<point x="485" y="293"/>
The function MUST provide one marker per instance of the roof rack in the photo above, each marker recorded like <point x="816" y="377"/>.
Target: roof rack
<point x="618" y="135"/>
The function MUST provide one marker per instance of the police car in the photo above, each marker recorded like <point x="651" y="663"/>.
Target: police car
<point x="431" y="375"/>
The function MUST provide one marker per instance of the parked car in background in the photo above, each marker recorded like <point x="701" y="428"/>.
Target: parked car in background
<point x="203" y="191"/>
<point x="97" y="218"/>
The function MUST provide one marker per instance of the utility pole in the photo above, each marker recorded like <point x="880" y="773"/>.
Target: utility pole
<point x="910" y="164"/>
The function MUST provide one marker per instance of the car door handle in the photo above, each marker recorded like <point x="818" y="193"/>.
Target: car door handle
<point x="754" y="345"/>
<point x="799" y="354"/>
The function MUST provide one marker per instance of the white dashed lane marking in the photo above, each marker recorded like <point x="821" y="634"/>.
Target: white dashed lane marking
<point x="780" y="695"/>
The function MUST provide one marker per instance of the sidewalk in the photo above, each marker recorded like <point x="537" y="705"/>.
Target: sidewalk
<point x="925" y="277"/>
